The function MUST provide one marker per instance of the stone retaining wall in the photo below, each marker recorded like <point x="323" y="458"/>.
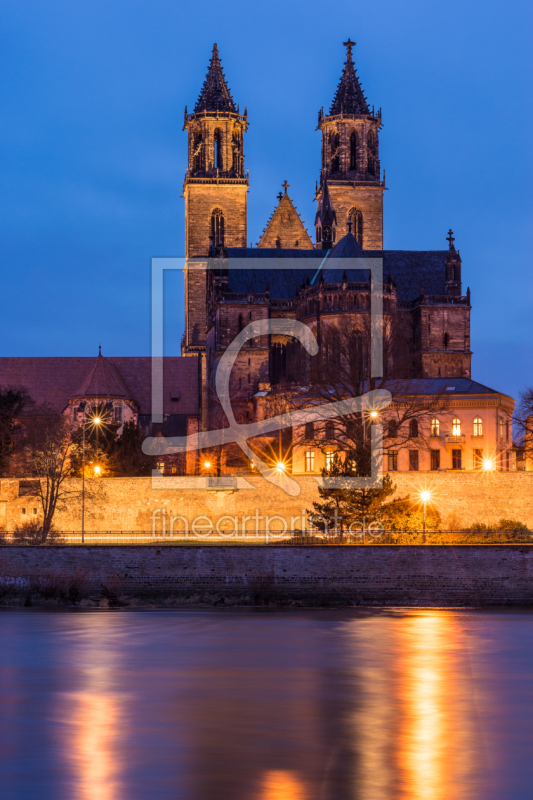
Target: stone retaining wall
<point x="366" y="575"/>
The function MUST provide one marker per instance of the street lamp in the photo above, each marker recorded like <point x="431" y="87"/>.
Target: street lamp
<point x="96" y="421"/>
<point x="280" y="466"/>
<point x="372" y="415"/>
<point x="425" y="496"/>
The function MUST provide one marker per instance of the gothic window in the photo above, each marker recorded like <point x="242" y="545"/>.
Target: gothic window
<point x="197" y="150"/>
<point x="435" y="427"/>
<point x="356" y="218"/>
<point x="278" y="242"/>
<point x="371" y="147"/>
<point x="236" y="144"/>
<point x="278" y="362"/>
<point x="335" y="146"/>
<point x="478" y="426"/>
<point x="413" y="429"/>
<point x="456" y="426"/>
<point x="217" y="155"/>
<point x="217" y="227"/>
<point x="353" y="150"/>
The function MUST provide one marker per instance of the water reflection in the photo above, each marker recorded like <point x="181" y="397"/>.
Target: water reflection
<point x="282" y="785"/>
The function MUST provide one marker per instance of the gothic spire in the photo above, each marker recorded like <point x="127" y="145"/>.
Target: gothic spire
<point x="349" y="97"/>
<point x="215" y="95"/>
<point x="325" y="213"/>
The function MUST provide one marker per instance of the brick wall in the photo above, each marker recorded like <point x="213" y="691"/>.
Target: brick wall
<point x="128" y="503"/>
<point x="366" y="575"/>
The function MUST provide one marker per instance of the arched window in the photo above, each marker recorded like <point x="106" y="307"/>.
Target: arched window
<point x="370" y="141"/>
<point x="392" y="429"/>
<point x="197" y="150"/>
<point x="278" y="242"/>
<point x="335" y="146"/>
<point x="435" y="427"/>
<point x="217" y="227"/>
<point x="356" y="218"/>
<point x="353" y="150"/>
<point x="456" y="426"/>
<point x="330" y="430"/>
<point x="413" y="429"/>
<point x="217" y="153"/>
<point x="237" y="149"/>
<point x="478" y="426"/>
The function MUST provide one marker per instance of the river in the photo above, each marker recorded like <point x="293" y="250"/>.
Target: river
<point x="266" y="705"/>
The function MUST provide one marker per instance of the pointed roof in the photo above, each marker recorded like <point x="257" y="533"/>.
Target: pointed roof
<point x="325" y="213"/>
<point x="349" y="97"/>
<point x="215" y="95"/>
<point x="347" y="247"/>
<point x="103" y="380"/>
<point x="285" y="229"/>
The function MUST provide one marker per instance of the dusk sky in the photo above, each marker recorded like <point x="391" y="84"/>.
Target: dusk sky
<point x="93" y="154"/>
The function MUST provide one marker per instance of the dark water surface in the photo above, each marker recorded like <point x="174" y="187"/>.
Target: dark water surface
<point x="266" y="705"/>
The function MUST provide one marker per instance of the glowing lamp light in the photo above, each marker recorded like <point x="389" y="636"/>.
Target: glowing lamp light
<point x="207" y="464"/>
<point x="280" y="466"/>
<point x="97" y="470"/>
<point x="373" y="414"/>
<point x="489" y="465"/>
<point x="425" y="496"/>
<point x="97" y="420"/>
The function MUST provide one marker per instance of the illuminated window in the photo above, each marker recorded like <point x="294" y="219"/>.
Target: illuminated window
<point x="330" y="457"/>
<point x="435" y="427"/>
<point x="456" y="426"/>
<point x="161" y="466"/>
<point x="501" y="429"/>
<point x="393" y="460"/>
<point x="478" y="426"/>
<point x="309" y="460"/>
<point x="174" y="469"/>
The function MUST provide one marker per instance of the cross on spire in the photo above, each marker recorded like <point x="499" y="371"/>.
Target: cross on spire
<point x="279" y="196"/>
<point x="285" y="186"/>
<point x="450" y="239"/>
<point x="348" y="45"/>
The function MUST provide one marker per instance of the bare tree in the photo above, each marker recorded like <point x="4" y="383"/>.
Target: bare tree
<point x="523" y="420"/>
<point x="51" y="454"/>
<point x="13" y="402"/>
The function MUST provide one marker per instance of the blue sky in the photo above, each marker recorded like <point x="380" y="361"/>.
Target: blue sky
<point x="92" y="154"/>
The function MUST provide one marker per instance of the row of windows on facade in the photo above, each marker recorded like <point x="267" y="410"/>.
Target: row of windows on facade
<point x="392" y="429"/>
<point x="334" y="148"/>
<point x="457" y="460"/>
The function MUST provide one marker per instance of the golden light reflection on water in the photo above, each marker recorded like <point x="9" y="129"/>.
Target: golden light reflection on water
<point x="94" y="721"/>
<point x="282" y="784"/>
<point x="436" y="739"/>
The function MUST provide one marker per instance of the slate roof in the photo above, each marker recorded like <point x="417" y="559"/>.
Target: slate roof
<point x="411" y="270"/>
<point x="349" y="97"/>
<point x="103" y="380"/>
<point x="446" y="386"/>
<point x="53" y="381"/>
<point x="215" y="95"/>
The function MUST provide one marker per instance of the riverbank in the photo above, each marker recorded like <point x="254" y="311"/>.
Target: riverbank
<point x="373" y="575"/>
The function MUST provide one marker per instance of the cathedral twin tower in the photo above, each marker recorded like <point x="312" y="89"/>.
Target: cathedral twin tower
<point x="350" y="194"/>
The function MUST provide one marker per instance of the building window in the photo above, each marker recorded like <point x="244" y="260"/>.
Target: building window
<point x="330" y="430"/>
<point x="446" y="340"/>
<point x="34" y="512"/>
<point x="217" y="160"/>
<point x="478" y="459"/>
<point x="507" y="431"/>
<point x="353" y="150"/>
<point x="118" y="414"/>
<point x="413" y="429"/>
<point x="501" y="429"/>
<point x="174" y="469"/>
<point x="393" y="460"/>
<point x="330" y="457"/>
<point x="456" y="426"/>
<point x="392" y="429"/>
<point x="161" y="467"/>
<point x="435" y="427"/>
<point x="435" y="459"/>
<point x="507" y="460"/>
<point x="309" y="460"/>
<point x="309" y="430"/>
<point x="335" y="144"/>
<point x="356" y="218"/>
<point x="413" y="460"/>
<point x="197" y="150"/>
<point x="24" y="512"/>
<point x="478" y="426"/>
<point x="217" y="227"/>
<point x="456" y="459"/>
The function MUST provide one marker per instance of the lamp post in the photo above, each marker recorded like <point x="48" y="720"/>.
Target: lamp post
<point x="424" y="496"/>
<point x="96" y="421"/>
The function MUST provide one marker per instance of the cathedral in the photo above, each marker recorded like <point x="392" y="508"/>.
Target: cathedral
<point x="323" y="282"/>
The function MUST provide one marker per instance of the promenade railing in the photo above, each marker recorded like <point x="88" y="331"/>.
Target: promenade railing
<point x="309" y="538"/>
